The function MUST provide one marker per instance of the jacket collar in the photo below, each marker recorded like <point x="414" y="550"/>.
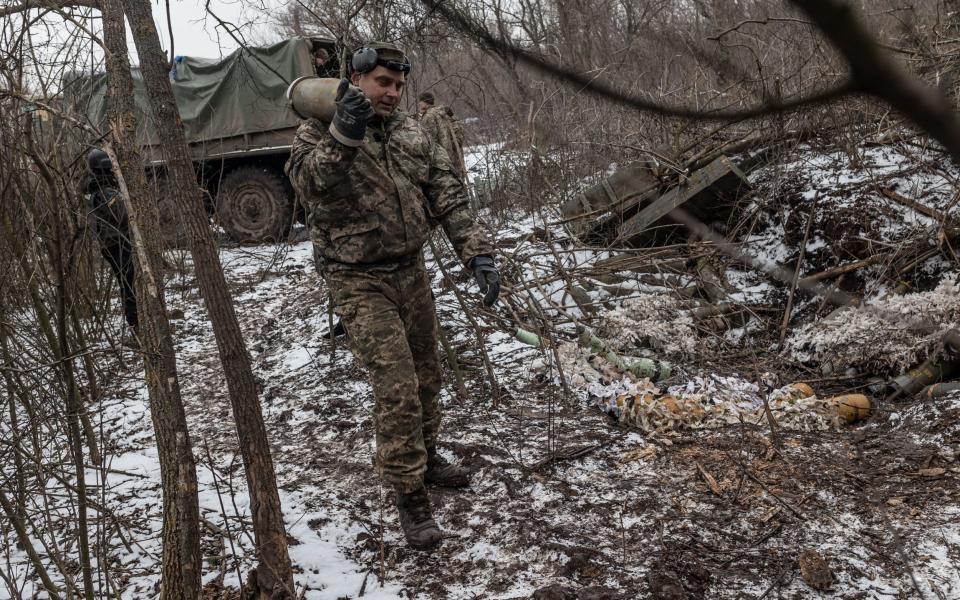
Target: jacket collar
<point x="390" y="123"/>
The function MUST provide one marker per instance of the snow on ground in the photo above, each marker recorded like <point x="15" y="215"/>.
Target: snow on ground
<point x="480" y="160"/>
<point x="851" y="214"/>
<point x="881" y="340"/>
<point x="562" y="495"/>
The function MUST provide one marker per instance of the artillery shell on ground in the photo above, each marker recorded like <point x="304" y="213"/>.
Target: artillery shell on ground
<point x="851" y="407"/>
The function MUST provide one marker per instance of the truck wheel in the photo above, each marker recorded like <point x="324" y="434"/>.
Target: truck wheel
<point x="255" y="205"/>
<point x="173" y="229"/>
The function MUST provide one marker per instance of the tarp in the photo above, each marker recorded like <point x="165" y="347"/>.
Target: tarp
<point x="243" y="93"/>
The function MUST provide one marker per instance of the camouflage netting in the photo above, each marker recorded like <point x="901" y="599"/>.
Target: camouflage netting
<point x="717" y="406"/>
<point x="699" y="404"/>
<point x="902" y="333"/>
<point x="655" y="321"/>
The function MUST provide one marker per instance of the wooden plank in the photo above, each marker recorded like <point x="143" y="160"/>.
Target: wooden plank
<point x="618" y="192"/>
<point x="593" y="220"/>
<point x="721" y="173"/>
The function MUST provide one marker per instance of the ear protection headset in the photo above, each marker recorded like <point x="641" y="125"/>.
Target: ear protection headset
<point x="365" y="60"/>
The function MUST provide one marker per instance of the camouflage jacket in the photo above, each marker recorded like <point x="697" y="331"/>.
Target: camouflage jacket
<point x="105" y="210"/>
<point x="445" y="129"/>
<point x="372" y="206"/>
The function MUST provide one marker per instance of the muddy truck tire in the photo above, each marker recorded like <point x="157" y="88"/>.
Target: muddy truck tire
<point x="255" y="204"/>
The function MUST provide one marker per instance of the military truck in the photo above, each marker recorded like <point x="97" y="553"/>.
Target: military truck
<point x="239" y="129"/>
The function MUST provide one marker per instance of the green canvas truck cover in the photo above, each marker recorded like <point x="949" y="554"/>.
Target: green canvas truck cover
<point x="242" y="93"/>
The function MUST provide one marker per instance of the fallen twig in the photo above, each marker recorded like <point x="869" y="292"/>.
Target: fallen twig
<point x="920" y="208"/>
<point x="796" y="275"/>
<point x="565" y="454"/>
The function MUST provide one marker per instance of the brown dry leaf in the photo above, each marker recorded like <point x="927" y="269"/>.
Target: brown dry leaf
<point x="934" y="472"/>
<point x="644" y="453"/>
<point x="709" y="479"/>
<point x="592" y="571"/>
<point x="815" y="570"/>
<point x="775" y="510"/>
<point x="896" y="501"/>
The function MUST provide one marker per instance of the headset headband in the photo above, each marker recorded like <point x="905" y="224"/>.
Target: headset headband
<point x="365" y="60"/>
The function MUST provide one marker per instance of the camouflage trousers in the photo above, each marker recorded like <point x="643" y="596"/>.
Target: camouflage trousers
<point x="391" y="324"/>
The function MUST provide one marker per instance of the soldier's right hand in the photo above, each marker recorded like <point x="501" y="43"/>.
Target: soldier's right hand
<point x="353" y="112"/>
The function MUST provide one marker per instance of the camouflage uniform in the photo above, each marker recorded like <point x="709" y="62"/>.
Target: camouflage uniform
<point x="445" y="129"/>
<point x="370" y="212"/>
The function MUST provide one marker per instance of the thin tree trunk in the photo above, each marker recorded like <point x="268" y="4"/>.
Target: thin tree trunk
<point x="55" y="248"/>
<point x="20" y="474"/>
<point x="23" y="537"/>
<point x="181" y="514"/>
<point x="60" y="349"/>
<point x="93" y="392"/>
<point x="74" y="410"/>
<point x="15" y="388"/>
<point x="491" y="376"/>
<point x="274" y="573"/>
<point x="451" y="353"/>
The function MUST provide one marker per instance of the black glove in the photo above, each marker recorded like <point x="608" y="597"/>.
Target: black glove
<point x="488" y="278"/>
<point x="353" y="111"/>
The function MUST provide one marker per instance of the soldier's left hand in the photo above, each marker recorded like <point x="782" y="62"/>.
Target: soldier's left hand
<point x="488" y="278"/>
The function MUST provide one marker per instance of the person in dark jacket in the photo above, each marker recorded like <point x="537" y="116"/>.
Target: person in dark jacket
<point x="106" y="211"/>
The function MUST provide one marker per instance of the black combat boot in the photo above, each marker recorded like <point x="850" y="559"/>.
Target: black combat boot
<point x="443" y="473"/>
<point x="417" y="521"/>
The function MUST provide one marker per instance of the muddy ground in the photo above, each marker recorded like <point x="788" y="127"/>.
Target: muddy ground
<point x="720" y="513"/>
<point x="567" y="502"/>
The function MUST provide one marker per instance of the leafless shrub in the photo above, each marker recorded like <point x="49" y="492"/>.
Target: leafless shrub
<point x="707" y="55"/>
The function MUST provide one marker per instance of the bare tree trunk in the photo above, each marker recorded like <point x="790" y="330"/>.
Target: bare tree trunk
<point x="74" y="410"/>
<point x="181" y="553"/>
<point x="274" y="573"/>
<point x="23" y="537"/>
<point x="92" y="391"/>
<point x="20" y="497"/>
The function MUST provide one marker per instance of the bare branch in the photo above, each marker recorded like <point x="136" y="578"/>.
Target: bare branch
<point x="45" y="4"/>
<point x="234" y="32"/>
<point x="878" y="75"/>
<point x="503" y="48"/>
<point x="766" y="21"/>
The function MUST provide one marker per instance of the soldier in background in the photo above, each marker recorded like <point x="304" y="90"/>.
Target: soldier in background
<point x="439" y="122"/>
<point x="373" y="183"/>
<point x="108" y="215"/>
<point x="320" y="58"/>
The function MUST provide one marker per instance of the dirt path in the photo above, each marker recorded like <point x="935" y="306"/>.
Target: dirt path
<point x="721" y="513"/>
